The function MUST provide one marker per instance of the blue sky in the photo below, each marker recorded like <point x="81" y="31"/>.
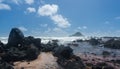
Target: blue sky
<point x="61" y="17"/>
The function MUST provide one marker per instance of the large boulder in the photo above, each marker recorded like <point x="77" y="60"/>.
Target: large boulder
<point x="63" y="52"/>
<point x="112" y="43"/>
<point x="66" y="59"/>
<point x="31" y="52"/>
<point x="15" y="37"/>
<point x="94" y="41"/>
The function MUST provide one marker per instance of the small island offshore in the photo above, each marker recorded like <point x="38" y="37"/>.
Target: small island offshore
<point x="22" y="52"/>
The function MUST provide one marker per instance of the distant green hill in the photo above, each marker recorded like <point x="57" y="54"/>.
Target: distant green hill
<point x="77" y="34"/>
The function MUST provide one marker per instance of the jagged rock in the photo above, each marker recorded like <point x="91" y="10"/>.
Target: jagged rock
<point x="32" y="52"/>
<point x="14" y="54"/>
<point x="31" y="40"/>
<point x="1" y="47"/>
<point x="94" y="41"/>
<point x="114" y="44"/>
<point x="66" y="59"/>
<point x="15" y="37"/>
<point x="5" y="65"/>
<point x="37" y="43"/>
<point x="73" y="62"/>
<point x="50" y="46"/>
<point x="63" y="52"/>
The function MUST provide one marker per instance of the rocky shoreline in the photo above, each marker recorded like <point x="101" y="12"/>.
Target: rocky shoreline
<point x="29" y="53"/>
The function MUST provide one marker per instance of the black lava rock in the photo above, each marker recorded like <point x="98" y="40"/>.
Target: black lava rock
<point x="5" y="65"/>
<point x="1" y="47"/>
<point x="94" y="41"/>
<point x="31" y="40"/>
<point x="63" y="52"/>
<point x="50" y="46"/>
<point x="32" y="52"/>
<point x="114" y="44"/>
<point x="14" y="54"/>
<point x="15" y="37"/>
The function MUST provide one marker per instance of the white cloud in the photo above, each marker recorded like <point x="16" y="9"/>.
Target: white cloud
<point x="84" y="27"/>
<point x="22" y="1"/>
<point x="81" y="28"/>
<point x="48" y="10"/>
<point x="52" y="12"/>
<point x="31" y="10"/>
<point x="23" y="28"/>
<point x="43" y="25"/>
<point x="29" y="1"/>
<point x="4" y="7"/>
<point x="59" y="32"/>
<point x="17" y="1"/>
<point x="57" y="29"/>
<point x="60" y="21"/>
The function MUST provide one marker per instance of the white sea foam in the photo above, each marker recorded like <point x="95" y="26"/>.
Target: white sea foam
<point x="4" y="39"/>
<point x="61" y="39"/>
<point x="46" y="39"/>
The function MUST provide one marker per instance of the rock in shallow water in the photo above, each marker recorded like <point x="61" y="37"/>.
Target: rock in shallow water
<point x="113" y="44"/>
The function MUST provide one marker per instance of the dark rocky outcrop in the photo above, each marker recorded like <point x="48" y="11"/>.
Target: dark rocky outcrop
<point x="50" y="46"/>
<point x="66" y="59"/>
<point x="94" y="41"/>
<point x="1" y="47"/>
<point x="32" y="52"/>
<point x="19" y="47"/>
<point x="15" y="37"/>
<point x="112" y="43"/>
<point x="31" y="40"/>
<point x="63" y="52"/>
